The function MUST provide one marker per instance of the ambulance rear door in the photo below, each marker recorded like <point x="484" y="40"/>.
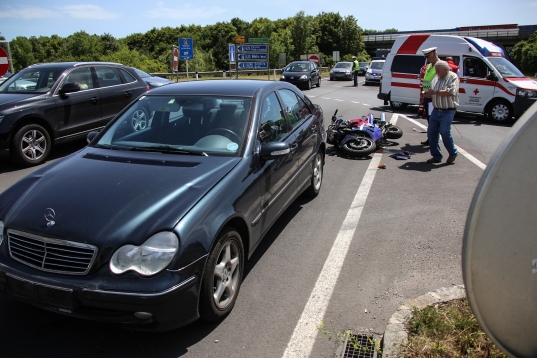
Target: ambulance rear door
<point x="405" y="72"/>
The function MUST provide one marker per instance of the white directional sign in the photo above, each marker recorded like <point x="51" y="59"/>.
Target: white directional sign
<point x="245" y="65"/>
<point x="252" y="56"/>
<point x="231" y="53"/>
<point x="252" y="48"/>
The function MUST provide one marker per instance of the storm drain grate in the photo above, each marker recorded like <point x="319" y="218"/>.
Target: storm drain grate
<point x="360" y="346"/>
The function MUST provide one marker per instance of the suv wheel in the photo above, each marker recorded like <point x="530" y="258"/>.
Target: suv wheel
<point x="31" y="145"/>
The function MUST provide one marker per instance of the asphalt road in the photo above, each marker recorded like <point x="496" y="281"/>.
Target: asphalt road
<point x="407" y="241"/>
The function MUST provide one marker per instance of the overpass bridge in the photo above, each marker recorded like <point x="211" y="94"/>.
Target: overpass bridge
<point x="505" y="36"/>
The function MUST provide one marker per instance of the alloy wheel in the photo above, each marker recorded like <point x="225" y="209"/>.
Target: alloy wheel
<point x="226" y="275"/>
<point x="33" y="144"/>
<point x="317" y="171"/>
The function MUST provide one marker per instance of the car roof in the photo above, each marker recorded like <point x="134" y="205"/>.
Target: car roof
<point x="242" y="88"/>
<point x="70" y="64"/>
<point x="301" y="62"/>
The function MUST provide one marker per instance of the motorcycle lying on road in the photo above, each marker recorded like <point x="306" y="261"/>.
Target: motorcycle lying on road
<point x="362" y="136"/>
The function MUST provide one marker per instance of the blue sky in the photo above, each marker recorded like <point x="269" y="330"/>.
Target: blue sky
<point x="121" y="18"/>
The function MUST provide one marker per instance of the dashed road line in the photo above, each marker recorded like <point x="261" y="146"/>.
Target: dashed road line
<point x="365" y="104"/>
<point x="462" y="151"/>
<point x="339" y="100"/>
<point x="355" y="102"/>
<point x="303" y="338"/>
<point x="325" y="98"/>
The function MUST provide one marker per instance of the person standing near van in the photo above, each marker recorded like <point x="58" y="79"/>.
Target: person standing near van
<point x="444" y="94"/>
<point x="355" y="70"/>
<point x="452" y="65"/>
<point x="430" y="72"/>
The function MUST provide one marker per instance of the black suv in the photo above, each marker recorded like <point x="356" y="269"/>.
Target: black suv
<point x="56" y="102"/>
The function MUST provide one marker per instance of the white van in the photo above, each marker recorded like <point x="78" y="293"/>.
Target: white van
<point x="489" y="83"/>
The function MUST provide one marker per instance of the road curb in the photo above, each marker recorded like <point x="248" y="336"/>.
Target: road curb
<point x="396" y="335"/>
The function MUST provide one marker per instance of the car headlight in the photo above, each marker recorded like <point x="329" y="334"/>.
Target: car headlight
<point x="153" y="256"/>
<point x="304" y="77"/>
<point x="526" y="93"/>
<point x="1" y="232"/>
<point x="282" y="77"/>
<point x="347" y="72"/>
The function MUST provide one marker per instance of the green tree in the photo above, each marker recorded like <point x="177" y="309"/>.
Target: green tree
<point x="22" y="53"/>
<point x="81" y="46"/>
<point x="302" y="33"/>
<point x="218" y="37"/>
<point x="524" y="54"/>
<point x="330" y="32"/>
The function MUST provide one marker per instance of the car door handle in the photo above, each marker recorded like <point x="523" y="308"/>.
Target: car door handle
<point x="94" y="100"/>
<point x="128" y="94"/>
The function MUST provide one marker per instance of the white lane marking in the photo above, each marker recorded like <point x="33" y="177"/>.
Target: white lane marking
<point x="394" y="119"/>
<point x="303" y="338"/>
<point x="355" y="102"/>
<point x="462" y="151"/>
<point x="365" y="104"/>
<point x="339" y="100"/>
<point x="325" y="98"/>
<point x="312" y="96"/>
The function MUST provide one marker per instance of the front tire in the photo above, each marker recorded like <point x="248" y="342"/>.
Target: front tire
<point x="500" y="111"/>
<point x="316" y="176"/>
<point x="398" y="105"/>
<point x="308" y="86"/>
<point x="222" y="276"/>
<point x="361" y="147"/>
<point x="31" y="145"/>
<point x="394" y="132"/>
<point x="319" y="83"/>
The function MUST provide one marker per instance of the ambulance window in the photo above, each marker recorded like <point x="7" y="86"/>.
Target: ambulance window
<point x="408" y="64"/>
<point x="475" y="67"/>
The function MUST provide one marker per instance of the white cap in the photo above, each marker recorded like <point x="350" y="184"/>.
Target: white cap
<point x="353" y="56"/>
<point x="428" y="50"/>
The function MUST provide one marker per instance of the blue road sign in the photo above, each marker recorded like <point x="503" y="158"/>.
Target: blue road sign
<point x="252" y="48"/>
<point x="245" y="65"/>
<point x="231" y="53"/>
<point x="186" y="49"/>
<point x="252" y="56"/>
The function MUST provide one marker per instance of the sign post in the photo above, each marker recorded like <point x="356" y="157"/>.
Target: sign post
<point x="186" y="51"/>
<point x="5" y="59"/>
<point x="175" y="62"/>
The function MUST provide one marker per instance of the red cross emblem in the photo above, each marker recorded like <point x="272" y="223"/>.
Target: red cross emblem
<point x="476" y="91"/>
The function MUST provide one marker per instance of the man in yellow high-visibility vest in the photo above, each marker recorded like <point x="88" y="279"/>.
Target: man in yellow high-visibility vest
<point x="430" y="71"/>
<point x="355" y="69"/>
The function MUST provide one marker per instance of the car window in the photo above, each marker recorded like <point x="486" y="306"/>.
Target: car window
<point x="407" y="64"/>
<point x="31" y="81"/>
<point x="295" y="107"/>
<point x="141" y="73"/>
<point x="343" y="65"/>
<point x="377" y="65"/>
<point x="108" y="76"/>
<point x="80" y="76"/>
<point x="297" y="67"/>
<point x="182" y="123"/>
<point x="273" y="126"/>
<point x="475" y="67"/>
<point x="506" y="68"/>
<point x="127" y="76"/>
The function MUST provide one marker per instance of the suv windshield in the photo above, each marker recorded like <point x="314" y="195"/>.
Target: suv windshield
<point x="298" y="67"/>
<point x="377" y="65"/>
<point x="31" y="81"/>
<point x="188" y="124"/>
<point x="506" y="68"/>
<point x="343" y="65"/>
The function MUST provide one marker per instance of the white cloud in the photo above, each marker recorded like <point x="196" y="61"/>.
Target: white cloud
<point x="184" y="12"/>
<point x="26" y="12"/>
<point x="88" y="11"/>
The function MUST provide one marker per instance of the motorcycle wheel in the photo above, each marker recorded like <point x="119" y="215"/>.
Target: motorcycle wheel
<point x="394" y="132"/>
<point x="361" y="147"/>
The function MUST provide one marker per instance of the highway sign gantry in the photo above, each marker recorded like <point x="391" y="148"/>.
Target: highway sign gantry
<point x="186" y="49"/>
<point x="252" y="56"/>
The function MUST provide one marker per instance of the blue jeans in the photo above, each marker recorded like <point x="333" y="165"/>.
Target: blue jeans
<point x="440" y="125"/>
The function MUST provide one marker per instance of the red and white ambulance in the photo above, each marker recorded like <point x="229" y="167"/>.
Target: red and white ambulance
<point x="489" y="83"/>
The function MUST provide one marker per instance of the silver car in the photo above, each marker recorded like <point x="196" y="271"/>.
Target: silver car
<point x="342" y="70"/>
<point x="374" y="72"/>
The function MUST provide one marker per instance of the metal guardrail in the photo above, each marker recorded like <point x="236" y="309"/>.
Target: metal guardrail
<point x="223" y="74"/>
<point x="479" y="34"/>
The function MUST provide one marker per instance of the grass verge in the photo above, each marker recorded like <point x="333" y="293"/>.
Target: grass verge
<point x="448" y="329"/>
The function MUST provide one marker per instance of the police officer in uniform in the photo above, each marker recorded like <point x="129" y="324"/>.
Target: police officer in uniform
<point x="430" y="71"/>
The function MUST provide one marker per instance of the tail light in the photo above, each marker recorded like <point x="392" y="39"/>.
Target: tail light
<point x="147" y="86"/>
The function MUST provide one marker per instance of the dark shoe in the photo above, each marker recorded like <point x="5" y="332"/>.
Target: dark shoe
<point x="426" y="142"/>
<point x="433" y="161"/>
<point x="451" y="159"/>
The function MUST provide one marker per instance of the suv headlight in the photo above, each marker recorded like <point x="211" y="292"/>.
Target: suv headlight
<point x="153" y="256"/>
<point x="1" y="232"/>
<point x="526" y="93"/>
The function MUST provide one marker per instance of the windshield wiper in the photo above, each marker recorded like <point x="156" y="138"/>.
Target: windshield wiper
<point x="106" y="146"/>
<point x="167" y="149"/>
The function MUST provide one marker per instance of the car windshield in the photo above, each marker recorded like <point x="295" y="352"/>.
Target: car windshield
<point x="182" y="124"/>
<point x="141" y="73"/>
<point x="31" y="81"/>
<point x="506" y="68"/>
<point x="377" y="65"/>
<point x="343" y="65"/>
<point x="297" y="67"/>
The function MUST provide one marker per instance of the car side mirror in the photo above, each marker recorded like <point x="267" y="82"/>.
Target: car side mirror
<point x="91" y="135"/>
<point x="69" y="87"/>
<point x="274" y="150"/>
<point x="492" y="77"/>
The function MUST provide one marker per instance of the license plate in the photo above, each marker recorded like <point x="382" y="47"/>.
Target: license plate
<point x="51" y="296"/>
